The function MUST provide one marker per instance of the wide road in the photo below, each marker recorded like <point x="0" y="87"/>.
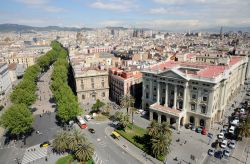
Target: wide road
<point x="106" y="150"/>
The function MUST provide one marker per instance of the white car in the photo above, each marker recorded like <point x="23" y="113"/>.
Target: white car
<point x="242" y="111"/>
<point x="235" y="122"/>
<point x="211" y="152"/>
<point x="223" y="144"/>
<point x="139" y="111"/>
<point x="227" y="152"/>
<point x="221" y="136"/>
<point x="232" y="144"/>
<point x="231" y="129"/>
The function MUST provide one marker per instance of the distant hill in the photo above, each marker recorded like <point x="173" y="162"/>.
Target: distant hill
<point x="225" y="29"/>
<point x="25" y="28"/>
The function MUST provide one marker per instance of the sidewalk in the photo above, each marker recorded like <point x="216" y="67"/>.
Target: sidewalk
<point x="132" y="149"/>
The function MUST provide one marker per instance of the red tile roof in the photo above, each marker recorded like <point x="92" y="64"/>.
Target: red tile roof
<point x="206" y="70"/>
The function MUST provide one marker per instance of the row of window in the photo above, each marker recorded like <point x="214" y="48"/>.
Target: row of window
<point x="203" y="108"/>
<point x="204" y="98"/>
<point x="92" y="85"/>
<point x="93" y="96"/>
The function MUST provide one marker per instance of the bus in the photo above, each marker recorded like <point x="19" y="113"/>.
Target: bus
<point x="81" y="122"/>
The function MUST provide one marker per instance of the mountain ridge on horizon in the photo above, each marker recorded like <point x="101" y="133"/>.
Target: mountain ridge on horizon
<point x="11" y="27"/>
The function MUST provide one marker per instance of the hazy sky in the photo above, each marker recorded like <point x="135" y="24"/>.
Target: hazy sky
<point x="158" y="14"/>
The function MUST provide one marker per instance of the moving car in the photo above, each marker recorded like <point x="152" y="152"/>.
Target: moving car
<point x="87" y="117"/>
<point x="232" y="144"/>
<point x="91" y="130"/>
<point x="211" y="152"/>
<point x="115" y="135"/>
<point x="45" y="144"/>
<point x="223" y="144"/>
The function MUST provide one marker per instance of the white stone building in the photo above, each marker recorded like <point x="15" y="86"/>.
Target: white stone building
<point x="5" y="81"/>
<point x="187" y="92"/>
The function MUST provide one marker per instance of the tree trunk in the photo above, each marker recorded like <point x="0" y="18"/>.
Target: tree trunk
<point x="127" y="111"/>
<point x="132" y="117"/>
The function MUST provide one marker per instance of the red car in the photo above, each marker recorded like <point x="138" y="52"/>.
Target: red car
<point x="203" y="131"/>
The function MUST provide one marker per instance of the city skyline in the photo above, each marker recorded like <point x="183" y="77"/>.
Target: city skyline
<point x="155" y="14"/>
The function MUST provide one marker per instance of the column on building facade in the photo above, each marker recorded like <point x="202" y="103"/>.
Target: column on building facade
<point x="158" y="92"/>
<point x="150" y="115"/>
<point x="166" y="95"/>
<point x="224" y="94"/>
<point x="210" y="101"/>
<point x="151" y="89"/>
<point x="159" y="118"/>
<point x="175" y="96"/>
<point x="185" y="96"/>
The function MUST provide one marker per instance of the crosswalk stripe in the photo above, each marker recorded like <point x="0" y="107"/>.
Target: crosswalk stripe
<point x="30" y="156"/>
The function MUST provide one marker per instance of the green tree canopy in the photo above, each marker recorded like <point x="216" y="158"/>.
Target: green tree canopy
<point x="99" y="104"/>
<point x="17" y="119"/>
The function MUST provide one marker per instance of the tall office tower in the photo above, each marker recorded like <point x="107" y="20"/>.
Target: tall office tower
<point x="221" y="33"/>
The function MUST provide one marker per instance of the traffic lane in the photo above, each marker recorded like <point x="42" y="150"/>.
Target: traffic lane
<point x="47" y="126"/>
<point x="106" y="149"/>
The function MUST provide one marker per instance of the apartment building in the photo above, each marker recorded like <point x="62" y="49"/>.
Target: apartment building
<point x="5" y="81"/>
<point x="187" y="92"/>
<point x="125" y="82"/>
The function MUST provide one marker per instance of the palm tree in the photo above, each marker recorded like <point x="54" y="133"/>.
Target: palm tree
<point x="60" y="143"/>
<point x="76" y="137"/>
<point x="127" y="101"/>
<point x="84" y="151"/>
<point x="244" y="129"/>
<point x="133" y="109"/>
<point x="160" y="145"/>
<point x="125" y="121"/>
<point x="164" y="129"/>
<point x="153" y="128"/>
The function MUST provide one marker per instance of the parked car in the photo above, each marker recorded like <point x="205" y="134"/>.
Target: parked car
<point x="210" y="135"/>
<point x="139" y="111"/>
<point x="211" y="152"/>
<point x="221" y="135"/>
<point x="224" y="130"/>
<point x="198" y="130"/>
<point x="192" y="128"/>
<point x="232" y="144"/>
<point x="235" y="122"/>
<point x="204" y="131"/>
<point x="220" y="154"/>
<point x="188" y="126"/>
<point x="231" y="129"/>
<point x="227" y="152"/>
<point x="91" y="130"/>
<point x="242" y="110"/>
<point x="223" y="144"/>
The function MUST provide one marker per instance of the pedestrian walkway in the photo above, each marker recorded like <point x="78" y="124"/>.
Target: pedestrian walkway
<point x="96" y="159"/>
<point x="34" y="153"/>
<point x="132" y="149"/>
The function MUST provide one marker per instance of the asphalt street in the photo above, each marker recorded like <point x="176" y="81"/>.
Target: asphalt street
<point x="106" y="150"/>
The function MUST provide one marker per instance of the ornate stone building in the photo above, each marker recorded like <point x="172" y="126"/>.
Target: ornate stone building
<point x="91" y="84"/>
<point x="185" y="92"/>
